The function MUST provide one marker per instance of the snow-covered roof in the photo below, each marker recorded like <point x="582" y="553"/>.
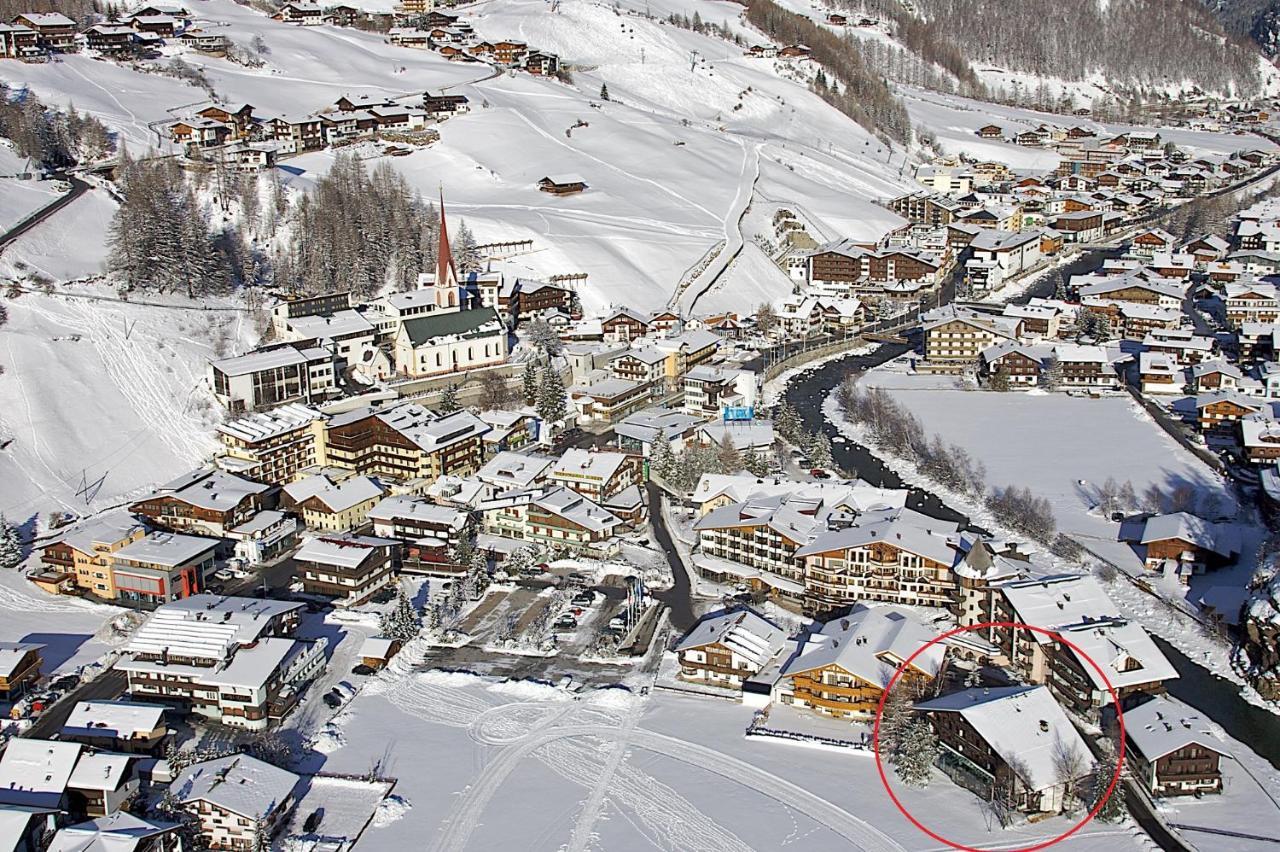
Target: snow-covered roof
<point x="261" y="425"/>
<point x="413" y="508"/>
<point x="743" y="631"/>
<point x="904" y="529"/>
<point x="514" y="470"/>
<point x="120" y="719"/>
<point x="430" y="431"/>
<point x="350" y="552"/>
<point x="340" y="324"/>
<point x="166" y="549"/>
<point x="743" y="434"/>
<point x="1023" y="725"/>
<point x="336" y="496"/>
<point x="1122" y="649"/>
<point x="376" y="648"/>
<point x="1223" y="539"/>
<point x="35" y="772"/>
<point x="578" y="464"/>
<point x="100" y="770"/>
<point x="1057" y="600"/>
<point x="12" y="654"/>
<point x="47" y="19"/>
<point x="238" y="783"/>
<point x="118" y="832"/>
<point x="206" y="626"/>
<point x="253" y="362"/>
<point x="869" y="644"/>
<point x="1163" y="725"/>
<point x="212" y="489"/>
<point x="644" y="425"/>
<point x="252" y="667"/>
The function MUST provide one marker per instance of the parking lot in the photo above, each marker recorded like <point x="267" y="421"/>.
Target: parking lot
<point x="545" y="628"/>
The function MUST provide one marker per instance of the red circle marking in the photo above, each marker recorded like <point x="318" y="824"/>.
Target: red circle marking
<point x="1013" y="625"/>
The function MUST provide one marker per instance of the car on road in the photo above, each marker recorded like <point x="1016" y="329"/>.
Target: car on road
<point x="577" y="578"/>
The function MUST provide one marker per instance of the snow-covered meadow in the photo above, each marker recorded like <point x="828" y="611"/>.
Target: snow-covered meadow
<point x="526" y="765"/>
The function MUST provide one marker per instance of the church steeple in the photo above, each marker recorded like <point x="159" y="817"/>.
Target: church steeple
<point x="446" y="283"/>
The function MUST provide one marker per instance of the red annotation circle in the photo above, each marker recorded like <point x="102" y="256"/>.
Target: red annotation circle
<point x="1013" y="625"/>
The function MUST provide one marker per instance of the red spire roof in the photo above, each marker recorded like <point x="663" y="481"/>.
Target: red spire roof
<point x="446" y="272"/>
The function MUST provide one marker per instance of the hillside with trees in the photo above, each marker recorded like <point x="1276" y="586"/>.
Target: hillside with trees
<point x="1149" y="46"/>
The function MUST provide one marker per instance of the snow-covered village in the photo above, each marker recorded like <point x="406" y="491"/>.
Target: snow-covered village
<point x="701" y="425"/>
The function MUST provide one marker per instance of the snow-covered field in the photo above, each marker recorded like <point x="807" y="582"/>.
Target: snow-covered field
<point x="101" y="399"/>
<point x="670" y="160"/>
<point x="524" y="765"/>
<point x="1060" y="446"/>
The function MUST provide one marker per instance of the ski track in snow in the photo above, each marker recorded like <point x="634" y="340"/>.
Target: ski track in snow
<point x="138" y="374"/>
<point x="585" y="824"/>
<point x="581" y="750"/>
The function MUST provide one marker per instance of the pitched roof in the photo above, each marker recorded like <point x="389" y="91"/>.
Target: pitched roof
<point x="471" y="324"/>
<point x="1164" y="725"/>
<point x="1022" y="724"/>
<point x="744" y="631"/>
<point x="238" y="783"/>
<point x="870" y="644"/>
<point x="35" y="772"/>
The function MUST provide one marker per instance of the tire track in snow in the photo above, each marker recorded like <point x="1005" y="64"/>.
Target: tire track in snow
<point x="476" y="799"/>
<point x="584" y="825"/>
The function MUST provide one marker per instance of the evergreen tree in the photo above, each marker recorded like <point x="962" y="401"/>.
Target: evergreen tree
<point x="403" y="622"/>
<point x="465" y="252"/>
<point x="1114" y="810"/>
<point x="819" y="451"/>
<point x="727" y="457"/>
<point x="552" y="404"/>
<point x="529" y="384"/>
<point x="604" y="92"/>
<point x="787" y="423"/>
<point x="10" y="545"/>
<point x="449" y="400"/>
<point x="755" y="463"/>
<point x="917" y="749"/>
<point x="661" y="458"/>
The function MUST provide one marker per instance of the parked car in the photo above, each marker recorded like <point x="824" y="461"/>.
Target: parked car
<point x="618" y="624"/>
<point x="566" y="622"/>
<point x="819" y="473"/>
<point x="362" y="669"/>
<point x="577" y="578"/>
<point x="586" y="598"/>
<point x="224" y="575"/>
<point x="332" y="699"/>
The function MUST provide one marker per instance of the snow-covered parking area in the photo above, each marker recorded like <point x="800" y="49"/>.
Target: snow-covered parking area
<point x="528" y="766"/>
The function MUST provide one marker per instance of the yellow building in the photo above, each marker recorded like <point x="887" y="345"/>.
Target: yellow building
<point x="332" y="505"/>
<point x="83" y="554"/>
<point x="842" y="670"/>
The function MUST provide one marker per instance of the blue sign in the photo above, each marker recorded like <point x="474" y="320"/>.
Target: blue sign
<point x="739" y="412"/>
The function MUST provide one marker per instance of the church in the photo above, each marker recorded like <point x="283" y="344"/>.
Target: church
<point x="454" y="333"/>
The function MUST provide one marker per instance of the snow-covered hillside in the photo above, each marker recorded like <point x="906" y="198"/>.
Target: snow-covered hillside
<point x="100" y="399"/>
<point x="665" y="158"/>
